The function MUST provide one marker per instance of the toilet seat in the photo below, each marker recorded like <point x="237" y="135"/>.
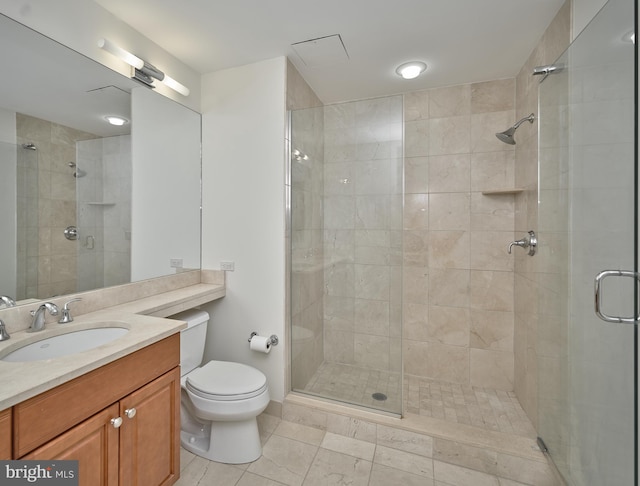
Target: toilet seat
<point x="226" y="381"/>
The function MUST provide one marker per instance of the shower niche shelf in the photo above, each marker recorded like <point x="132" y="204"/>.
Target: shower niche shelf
<point x="498" y="192"/>
<point x="100" y="203"/>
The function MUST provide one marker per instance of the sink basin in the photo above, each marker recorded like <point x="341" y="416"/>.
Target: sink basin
<point x="65" y="344"/>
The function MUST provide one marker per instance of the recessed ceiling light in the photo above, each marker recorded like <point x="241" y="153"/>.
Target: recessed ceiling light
<point x="116" y="120"/>
<point x="410" y="70"/>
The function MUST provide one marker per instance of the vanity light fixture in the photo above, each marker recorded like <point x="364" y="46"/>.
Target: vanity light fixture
<point x="143" y="71"/>
<point x="411" y="70"/>
<point x="118" y="121"/>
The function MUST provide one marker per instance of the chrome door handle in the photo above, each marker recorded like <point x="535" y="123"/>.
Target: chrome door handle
<point x="116" y="422"/>
<point x="130" y="412"/>
<point x="598" y="295"/>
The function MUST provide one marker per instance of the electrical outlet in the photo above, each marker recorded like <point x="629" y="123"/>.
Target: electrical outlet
<point x="175" y="263"/>
<point x="228" y="266"/>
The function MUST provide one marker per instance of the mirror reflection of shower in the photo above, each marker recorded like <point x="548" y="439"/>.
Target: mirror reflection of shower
<point x="78" y="171"/>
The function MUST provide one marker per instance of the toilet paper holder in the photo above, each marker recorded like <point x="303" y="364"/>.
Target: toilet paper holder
<point x="273" y="339"/>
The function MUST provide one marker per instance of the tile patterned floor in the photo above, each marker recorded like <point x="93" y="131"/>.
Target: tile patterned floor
<point x="481" y="407"/>
<point x="299" y="455"/>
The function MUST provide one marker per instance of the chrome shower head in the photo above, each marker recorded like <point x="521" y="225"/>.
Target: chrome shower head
<point x="507" y="135"/>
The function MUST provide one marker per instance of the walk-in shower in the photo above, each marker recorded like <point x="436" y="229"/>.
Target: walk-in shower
<point x="346" y="255"/>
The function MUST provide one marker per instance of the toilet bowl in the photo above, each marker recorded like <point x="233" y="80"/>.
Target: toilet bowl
<point x="220" y="400"/>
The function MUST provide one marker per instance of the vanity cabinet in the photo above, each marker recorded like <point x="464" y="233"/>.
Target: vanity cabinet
<point x="134" y="435"/>
<point x="5" y="435"/>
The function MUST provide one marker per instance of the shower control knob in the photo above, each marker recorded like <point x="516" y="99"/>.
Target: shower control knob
<point x="116" y="422"/>
<point x="71" y="233"/>
<point x="130" y="412"/>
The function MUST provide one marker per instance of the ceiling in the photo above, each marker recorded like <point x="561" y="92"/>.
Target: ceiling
<point x="461" y="41"/>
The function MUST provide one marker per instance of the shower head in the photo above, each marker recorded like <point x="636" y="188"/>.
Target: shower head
<point x="507" y="135"/>
<point x="29" y="146"/>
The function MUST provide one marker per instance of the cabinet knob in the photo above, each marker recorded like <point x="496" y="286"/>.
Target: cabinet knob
<point x="116" y="422"/>
<point x="130" y="412"/>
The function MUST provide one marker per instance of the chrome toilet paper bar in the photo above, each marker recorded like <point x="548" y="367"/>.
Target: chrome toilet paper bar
<point x="273" y="339"/>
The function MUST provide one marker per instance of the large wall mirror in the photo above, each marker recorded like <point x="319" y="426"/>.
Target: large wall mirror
<point x="87" y="204"/>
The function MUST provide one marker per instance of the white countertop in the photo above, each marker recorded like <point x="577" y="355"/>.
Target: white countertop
<point x="146" y="323"/>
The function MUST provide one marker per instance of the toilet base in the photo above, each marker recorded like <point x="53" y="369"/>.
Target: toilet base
<point x="228" y="442"/>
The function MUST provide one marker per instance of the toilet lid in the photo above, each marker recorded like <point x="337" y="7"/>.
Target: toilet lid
<point x="226" y="380"/>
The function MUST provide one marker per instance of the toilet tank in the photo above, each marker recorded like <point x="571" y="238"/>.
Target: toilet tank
<point x="192" y="339"/>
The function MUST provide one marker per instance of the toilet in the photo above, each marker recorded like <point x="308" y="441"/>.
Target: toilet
<point x="220" y="400"/>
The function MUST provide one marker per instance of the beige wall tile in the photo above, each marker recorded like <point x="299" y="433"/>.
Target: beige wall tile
<point x="416" y="170"/>
<point x="449" y="211"/>
<point x="449" y="173"/>
<point x="448" y="325"/>
<point x="449" y="287"/>
<point x="489" y="250"/>
<point x="416" y="138"/>
<point x="416" y="105"/>
<point x="416" y="318"/>
<point x="415" y="284"/>
<point x="492" y="213"/>
<point x="449" y="135"/>
<point x="448" y="363"/>
<point x="491" y="330"/>
<point x="493" y="96"/>
<point x="449" y="249"/>
<point x="492" y="369"/>
<point x="491" y="290"/>
<point x="492" y="170"/>
<point x="416" y="212"/>
<point x="415" y="358"/>
<point x="450" y="101"/>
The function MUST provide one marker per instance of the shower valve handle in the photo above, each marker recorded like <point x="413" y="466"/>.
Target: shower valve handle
<point x="530" y="241"/>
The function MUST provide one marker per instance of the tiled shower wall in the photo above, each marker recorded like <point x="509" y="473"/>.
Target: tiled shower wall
<point x="104" y="219"/>
<point x="458" y="276"/>
<point x="363" y="233"/>
<point x="529" y="285"/>
<point x="304" y="188"/>
<point x="55" y="259"/>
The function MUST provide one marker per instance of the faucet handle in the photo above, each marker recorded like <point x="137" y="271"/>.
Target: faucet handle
<point x="66" y="312"/>
<point x="4" y="335"/>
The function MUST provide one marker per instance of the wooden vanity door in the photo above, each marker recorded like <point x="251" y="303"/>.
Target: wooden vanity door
<point x="150" y="437"/>
<point x="5" y="435"/>
<point x="94" y="443"/>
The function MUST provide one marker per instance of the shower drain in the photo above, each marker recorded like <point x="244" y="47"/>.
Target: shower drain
<point x="379" y="396"/>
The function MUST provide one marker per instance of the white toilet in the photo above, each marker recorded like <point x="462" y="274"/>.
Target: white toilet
<point x="220" y="400"/>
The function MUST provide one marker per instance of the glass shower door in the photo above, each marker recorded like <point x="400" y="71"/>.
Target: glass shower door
<point x="587" y="225"/>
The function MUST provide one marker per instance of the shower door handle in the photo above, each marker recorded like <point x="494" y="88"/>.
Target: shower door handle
<point x="598" y="296"/>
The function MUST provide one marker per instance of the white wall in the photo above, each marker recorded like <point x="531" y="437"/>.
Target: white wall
<point x="165" y="213"/>
<point x="243" y="118"/>
<point x="79" y="24"/>
<point x="8" y="202"/>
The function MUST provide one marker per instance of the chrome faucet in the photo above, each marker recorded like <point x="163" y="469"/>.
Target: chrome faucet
<point x="66" y="312"/>
<point x="38" y="316"/>
<point x="530" y="241"/>
<point x="4" y="335"/>
<point x="8" y="301"/>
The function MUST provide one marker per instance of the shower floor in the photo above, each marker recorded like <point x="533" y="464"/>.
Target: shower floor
<point x="485" y="408"/>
